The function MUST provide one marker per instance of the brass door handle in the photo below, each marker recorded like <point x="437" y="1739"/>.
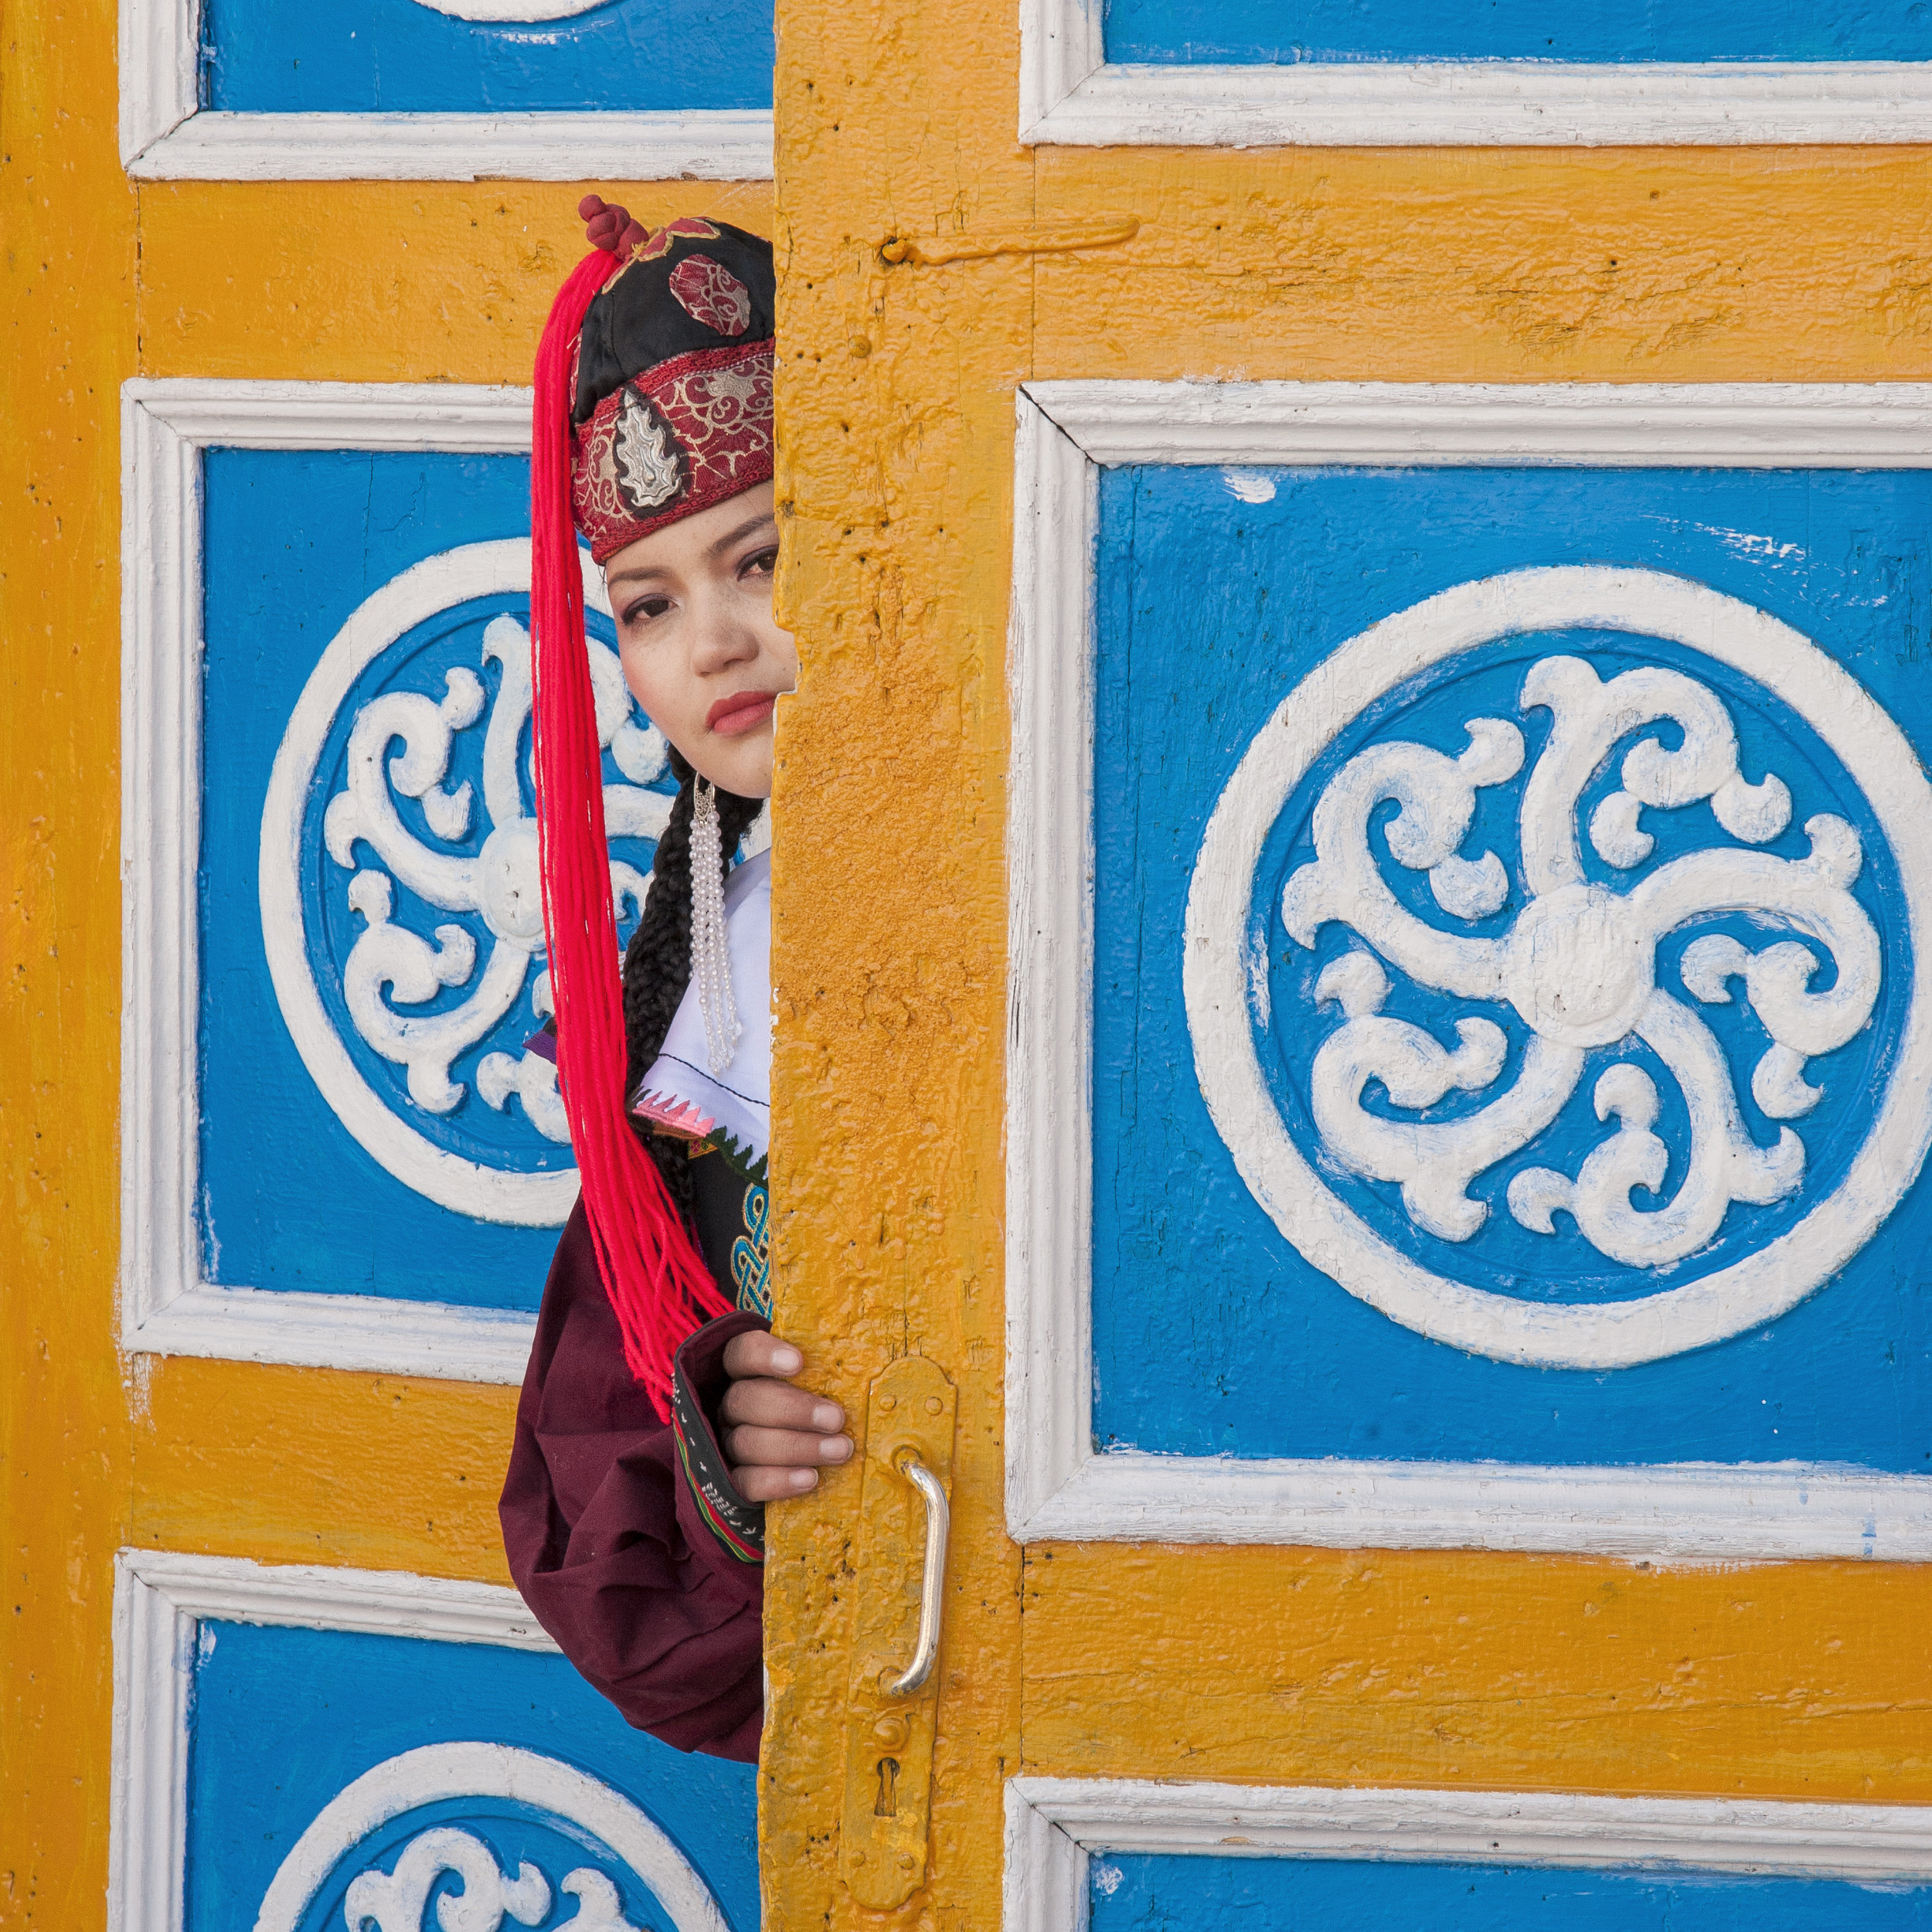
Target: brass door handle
<point x="932" y="1577"/>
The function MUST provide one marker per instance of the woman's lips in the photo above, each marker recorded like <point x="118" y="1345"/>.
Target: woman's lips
<point x="732" y="717"/>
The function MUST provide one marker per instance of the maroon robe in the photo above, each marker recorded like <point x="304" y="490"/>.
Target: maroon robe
<point x="621" y="1530"/>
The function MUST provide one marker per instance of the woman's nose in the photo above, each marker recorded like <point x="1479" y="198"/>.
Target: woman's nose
<point x="722" y="639"/>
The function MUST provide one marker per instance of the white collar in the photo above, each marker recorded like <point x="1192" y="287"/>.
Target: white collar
<point x="679" y="1093"/>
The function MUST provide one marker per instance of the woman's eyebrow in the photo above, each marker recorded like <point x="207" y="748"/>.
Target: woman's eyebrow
<point x="637" y="573"/>
<point x="759" y="523"/>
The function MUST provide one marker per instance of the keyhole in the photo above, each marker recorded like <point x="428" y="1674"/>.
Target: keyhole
<point x="887" y="1804"/>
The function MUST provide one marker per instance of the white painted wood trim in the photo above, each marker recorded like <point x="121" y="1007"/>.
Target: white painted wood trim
<point x="1063" y="45"/>
<point x="1612" y="425"/>
<point x="161" y="1599"/>
<point x="166" y="1307"/>
<point x="1662" y="1513"/>
<point x="704" y="144"/>
<point x="381" y="1603"/>
<point x="148" y="1791"/>
<point x="1070" y="96"/>
<point x="167" y="135"/>
<point x="159" y="67"/>
<point x="1049" y="941"/>
<point x="1054" y="1826"/>
<point x="1057" y="1487"/>
<point x="1045" y="1888"/>
<point x="469" y="417"/>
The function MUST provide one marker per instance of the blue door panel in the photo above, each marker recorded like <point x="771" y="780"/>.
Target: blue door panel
<point x="1269" y="32"/>
<point x="1219" y="594"/>
<point x="286" y="1721"/>
<point x="409" y="57"/>
<point x="1159" y="1894"/>
<point x="297" y="543"/>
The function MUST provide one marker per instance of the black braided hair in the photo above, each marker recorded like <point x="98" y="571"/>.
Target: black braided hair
<point x="657" y="962"/>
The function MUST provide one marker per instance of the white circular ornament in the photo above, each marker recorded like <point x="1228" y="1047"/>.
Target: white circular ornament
<point x="1578" y="967"/>
<point x="498" y="890"/>
<point x="438" y="1773"/>
<point x="512" y="13"/>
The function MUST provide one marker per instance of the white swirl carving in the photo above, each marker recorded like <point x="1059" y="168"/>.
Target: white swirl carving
<point x="1435" y="1161"/>
<point x="401" y="745"/>
<point x="1578" y="965"/>
<point x="512" y="13"/>
<point x="398" y="1901"/>
<point x="501" y="883"/>
<point x="436" y="1774"/>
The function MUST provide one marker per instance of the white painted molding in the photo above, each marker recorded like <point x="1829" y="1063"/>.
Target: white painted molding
<point x="1603" y="425"/>
<point x="161" y="1599"/>
<point x="1062" y="45"/>
<point x="1664" y="1512"/>
<point x="167" y="135"/>
<point x="166" y="1307"/>
<point x="1050" y="1148"/>
<point x="378" y="1603"/>
<point x="1057" y="1486"/>
<point x="1070" y="96"/>
<point x="709" y="145"/>
<point x="1044" y="1879"/>
<point x="1054" y="1826"/>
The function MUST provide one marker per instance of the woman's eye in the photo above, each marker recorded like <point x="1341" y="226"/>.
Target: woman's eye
<point x="646" y="608"/>
<point x="763" y="564"/>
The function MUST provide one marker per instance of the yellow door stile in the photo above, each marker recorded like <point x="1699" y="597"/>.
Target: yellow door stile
<point x="67" y="217"/>
<point x="898" y="371"/>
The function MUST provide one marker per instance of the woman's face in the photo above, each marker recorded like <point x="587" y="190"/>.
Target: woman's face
<point x="701" y="652"/>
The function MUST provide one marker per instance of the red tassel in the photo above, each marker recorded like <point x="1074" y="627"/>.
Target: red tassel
<point x="659" y="1287"/>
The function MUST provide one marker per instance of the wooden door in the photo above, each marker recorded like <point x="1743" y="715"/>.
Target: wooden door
<point x="272" y="1270"/>
<point x="1360" y="1510"/>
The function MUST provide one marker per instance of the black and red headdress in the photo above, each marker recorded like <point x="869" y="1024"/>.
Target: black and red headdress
<point x="653" y="401"/>
<point x="670" y="381"/>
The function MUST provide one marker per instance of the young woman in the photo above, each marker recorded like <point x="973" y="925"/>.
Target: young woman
<point x="659" y="1414"/>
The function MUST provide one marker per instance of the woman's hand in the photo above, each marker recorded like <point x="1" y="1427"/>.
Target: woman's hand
<point x="776" y="1438"/>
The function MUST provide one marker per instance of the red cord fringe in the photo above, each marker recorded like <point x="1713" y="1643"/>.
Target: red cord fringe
<point x="659" y="1287"/>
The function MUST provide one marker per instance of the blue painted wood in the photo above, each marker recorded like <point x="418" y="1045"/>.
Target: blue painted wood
<point x="295" y="542"/>
<point x="1137" y="1894"/>
<point x="285" y="1720"/>
<point x="1211" y="1334"/>
<point x="278" y="56"/>
<point x="1267" y="32"/>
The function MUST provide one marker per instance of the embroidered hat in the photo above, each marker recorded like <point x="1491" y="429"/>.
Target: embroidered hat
<point x="672" y="383"/>
<point x="653" y="401"/>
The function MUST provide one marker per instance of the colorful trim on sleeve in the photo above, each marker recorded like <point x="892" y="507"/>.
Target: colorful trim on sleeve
<point x="738" y="1525"/>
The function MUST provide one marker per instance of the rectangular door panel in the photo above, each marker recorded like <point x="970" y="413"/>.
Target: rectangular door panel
<point x="1502" y="1036"/>
<point x="334" y="949"/>
<point x="445" y="89"/>
<point x="358" y="1746"/>
<point x="414" y="57"/>
<point x="1263" y="32"/>
<point x="1178" y="1894"/>
<point x="1115" y="1853"/>
<point x="1226" y="591"/>
<point x="1258" y="73"/>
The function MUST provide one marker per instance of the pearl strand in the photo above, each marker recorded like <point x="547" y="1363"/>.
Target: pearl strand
<point x="710" y="956"/>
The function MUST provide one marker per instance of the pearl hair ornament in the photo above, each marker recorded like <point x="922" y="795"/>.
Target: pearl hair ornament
<point x="710" y="956"/>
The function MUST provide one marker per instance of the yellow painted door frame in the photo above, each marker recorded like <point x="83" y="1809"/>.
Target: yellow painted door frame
<point x="929" y="265"/>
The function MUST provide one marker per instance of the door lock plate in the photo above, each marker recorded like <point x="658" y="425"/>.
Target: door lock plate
<point x="889" y="1738"/>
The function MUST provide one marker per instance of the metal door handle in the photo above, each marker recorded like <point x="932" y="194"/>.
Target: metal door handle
<point x="932" y="1578"/>
<point x="891" y="1715"/>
